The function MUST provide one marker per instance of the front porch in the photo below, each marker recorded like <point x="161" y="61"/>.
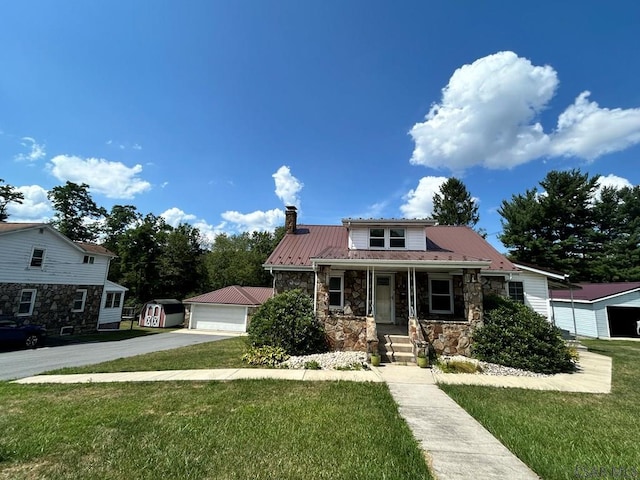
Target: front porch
<point x="435" y="307"/>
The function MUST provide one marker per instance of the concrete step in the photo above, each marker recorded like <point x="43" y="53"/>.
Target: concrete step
<point x="399" y="347"/>
<point x="397" y="338"/>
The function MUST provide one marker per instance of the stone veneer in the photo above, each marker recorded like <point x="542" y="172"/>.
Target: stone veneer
<point x="53" y="305"/>
<point x="349" y="329"/>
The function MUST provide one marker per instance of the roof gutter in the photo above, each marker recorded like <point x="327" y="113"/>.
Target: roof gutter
<point x="402" y="263"/>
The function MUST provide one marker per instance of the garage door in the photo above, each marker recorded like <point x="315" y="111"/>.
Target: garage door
<point x="229" y="318"/>
<point x="623" y="321"/>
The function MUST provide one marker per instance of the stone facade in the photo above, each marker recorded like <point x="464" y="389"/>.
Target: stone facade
<point x="286" y="280"/>
<point x="449" y="338"/>
<point x="53" y="305"/>
<point x="494" y="285"/>
<point x="346" y="332"/>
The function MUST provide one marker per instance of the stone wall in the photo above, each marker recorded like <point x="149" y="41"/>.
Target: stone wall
<point x="346" y="332"/>
<point x="494" y="285"/>
<point x="53" y="305"/>
<point x="449" y="338"/>
<point x="284" y="281"/>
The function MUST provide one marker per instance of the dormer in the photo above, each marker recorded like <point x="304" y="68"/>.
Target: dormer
<point x="387" y="234"/>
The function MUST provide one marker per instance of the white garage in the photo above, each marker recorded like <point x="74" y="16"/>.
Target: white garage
<point x="227" y="310"/>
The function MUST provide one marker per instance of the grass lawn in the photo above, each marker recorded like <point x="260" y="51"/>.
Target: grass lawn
<point x="568" y="435"/>
<point x="219" y="354"/>
<point x="127" y="330"/>
<point x="249" y="429"/>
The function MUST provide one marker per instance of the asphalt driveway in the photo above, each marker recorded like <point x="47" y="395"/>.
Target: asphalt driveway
<point x="25" y="363"/>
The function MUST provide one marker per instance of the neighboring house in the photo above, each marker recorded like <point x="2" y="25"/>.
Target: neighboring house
<point x="228" y="309"/>
<point x="55" y="282"/>
<point x="600" y="310"/>
<point x="426" y="280"/>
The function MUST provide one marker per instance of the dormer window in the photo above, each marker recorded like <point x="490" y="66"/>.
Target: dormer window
<point x="376" y="237"/>
<point x="37" y="257"/>
<point x="387" y="238"/>
<point x="396" y="238"/>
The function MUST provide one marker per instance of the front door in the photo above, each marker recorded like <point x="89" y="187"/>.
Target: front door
<point x="384" y="299"/>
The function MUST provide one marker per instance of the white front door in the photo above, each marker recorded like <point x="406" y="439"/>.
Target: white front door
<point x="384" y="299"/>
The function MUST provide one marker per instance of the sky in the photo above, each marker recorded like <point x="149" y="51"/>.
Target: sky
<point x="219" y="113"/>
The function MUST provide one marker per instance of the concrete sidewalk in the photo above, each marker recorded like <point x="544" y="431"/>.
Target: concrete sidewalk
<point x="457" y="446"/>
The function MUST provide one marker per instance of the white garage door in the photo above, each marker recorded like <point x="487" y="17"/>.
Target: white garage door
<point x="229" y="318"/>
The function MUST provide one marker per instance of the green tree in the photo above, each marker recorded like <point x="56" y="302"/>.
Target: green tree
<point x="8" y="194"/>
<point x="120" y="219"/>
<point x="76" y="214"/>
<point x="453" y="205"/>
<point x="553" y="228"/>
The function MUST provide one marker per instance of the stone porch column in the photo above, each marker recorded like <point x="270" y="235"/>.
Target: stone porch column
<point x="472" y="292"/>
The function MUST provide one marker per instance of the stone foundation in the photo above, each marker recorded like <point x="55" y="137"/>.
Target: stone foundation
<point x="53" y="305"/>
<point x="448" y="338"/>
<point x="346" y="332"/>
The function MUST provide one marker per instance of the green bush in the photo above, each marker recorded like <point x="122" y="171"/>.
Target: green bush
<point x="458" y="366"/>
<point x="515" y="336"/>
<point x="266" y="356"/>
<point x="287" y="321"/>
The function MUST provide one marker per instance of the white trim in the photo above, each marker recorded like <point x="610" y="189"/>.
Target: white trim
<point x="44" y="255"/>
<point x="600" y="299"/>
<point x="402" y="264"/>
<point x="339" y="275"/>
<point x="440" y="278"/>
<point x="31" y="304"/>
<point x="82" y="300"/>
<point x="540" y="272"/>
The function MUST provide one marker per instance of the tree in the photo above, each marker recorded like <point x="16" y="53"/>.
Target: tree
<point x="76" y="212"/>
<point x="554" y="228"/>
<point x="454" y="205"/>
<point x="8" y="194"/>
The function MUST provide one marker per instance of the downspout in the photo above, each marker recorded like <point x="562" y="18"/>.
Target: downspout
<point x="315" y="288"/>
<point x="368" y="293"/>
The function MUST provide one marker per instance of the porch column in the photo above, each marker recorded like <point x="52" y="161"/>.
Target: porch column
<point x="472" y="292"/>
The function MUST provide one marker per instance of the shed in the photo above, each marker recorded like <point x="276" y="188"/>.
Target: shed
<point x="227" y="309"/>
<point x="162" y="313"/>
<point x="601" y="310"/>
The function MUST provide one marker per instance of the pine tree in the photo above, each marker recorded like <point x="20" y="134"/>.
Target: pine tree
<point x="454" y="205"/>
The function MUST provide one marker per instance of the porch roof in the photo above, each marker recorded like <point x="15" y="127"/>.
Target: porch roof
<point x="338" y="255"/>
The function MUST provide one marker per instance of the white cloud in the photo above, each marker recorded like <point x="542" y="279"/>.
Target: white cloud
<point x="137" y="146"/>
<point x="611" y="181"/>
<point x="419" y="201"/>
<point x="255" y="221"/>
<point x="587" y="131"/>
<point x="174" y="217"/>
<point x="287" y="186"/>
<point x="35" y="207"/>
<point x="488" y="113"/>
<point x="36" y="150"/>
<point x="112" y="179"/>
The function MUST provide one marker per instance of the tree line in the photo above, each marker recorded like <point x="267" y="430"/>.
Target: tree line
<point x="153" y="258"/>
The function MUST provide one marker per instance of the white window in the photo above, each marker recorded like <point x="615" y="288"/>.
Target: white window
<point x="113" y="300"/>
<point x="79" y="300"/>
<point x="516" y="291"/>
<point x="37" y="257"/>
<point x="376" y="238"/>
<point x="441" y="295"/>
<point x="27" y="301"/>
<point x="88" y="259"/>
<point x="396" y="238"/>
<point x="387" y="238"/>
<point x="336" y="291"/>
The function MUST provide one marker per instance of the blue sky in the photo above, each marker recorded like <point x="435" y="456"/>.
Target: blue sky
<point x="219" y="113"/>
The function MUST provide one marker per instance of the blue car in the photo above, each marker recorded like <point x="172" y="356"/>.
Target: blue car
<point x="16" y="331"/>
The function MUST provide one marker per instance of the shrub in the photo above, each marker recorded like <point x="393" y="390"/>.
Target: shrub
<point x="287" y="321"/>
<point x="515" y="336"/>
<point x="266" y="356"/>
<point x="458" y="366"/>
<point x="312" y="365"/>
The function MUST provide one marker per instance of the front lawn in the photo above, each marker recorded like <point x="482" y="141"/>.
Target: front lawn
<point x="568" y="435"/>
<point x="250" y="429"/>
<point x="219" y="354"/>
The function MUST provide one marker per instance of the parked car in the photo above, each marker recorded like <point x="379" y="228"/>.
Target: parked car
<point x="14" y="330"/>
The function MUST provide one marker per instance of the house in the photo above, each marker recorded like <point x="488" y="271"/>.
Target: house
<point x="600" y="310"/>
<point x="409" y="277"/>
<point x="228" y="309"/>
<point x="53" y="281"/>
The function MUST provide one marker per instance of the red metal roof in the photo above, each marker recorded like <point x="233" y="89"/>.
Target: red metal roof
<point x="594" y="291"/>
<point x="13" y="226"/>
<point x="297" y="249"/>
<point x="465" y="241"/>
<point x="234" y="295"/>
<point x="446" y="243"/>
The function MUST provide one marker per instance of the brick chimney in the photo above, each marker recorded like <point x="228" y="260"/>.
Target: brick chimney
<point x="290" y="219"/>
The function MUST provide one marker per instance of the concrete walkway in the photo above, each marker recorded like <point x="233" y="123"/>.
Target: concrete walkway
<point x="457" y="446"/>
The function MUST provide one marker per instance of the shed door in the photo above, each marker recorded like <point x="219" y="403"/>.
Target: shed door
<point x="231" y="318"/>
<point x="624" y="321"/>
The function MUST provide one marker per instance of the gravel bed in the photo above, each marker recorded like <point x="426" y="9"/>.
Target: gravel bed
<point x="330" y="361"/>
<point x="491" y="368"/>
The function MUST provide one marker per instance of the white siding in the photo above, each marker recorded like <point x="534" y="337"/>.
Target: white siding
<point x="415" y="237"/>
<point x="62" y="261"/>
<point x="111" y="315"/>
<point x="631" y="299"/>
<point x="585" y="318"/>
<point x="231" y="318"/>
<point x="536" y="292"/>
